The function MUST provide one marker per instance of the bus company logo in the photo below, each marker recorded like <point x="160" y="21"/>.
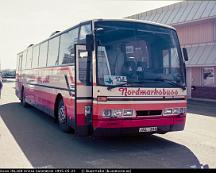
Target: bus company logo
<point x="148" y="92"/>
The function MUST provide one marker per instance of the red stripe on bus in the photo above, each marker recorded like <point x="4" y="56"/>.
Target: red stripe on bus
<point x="48" y="100"/>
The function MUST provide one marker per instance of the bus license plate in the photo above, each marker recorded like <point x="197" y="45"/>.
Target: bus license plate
<point x="147" y="129"/>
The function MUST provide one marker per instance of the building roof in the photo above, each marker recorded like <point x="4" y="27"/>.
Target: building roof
<point x="201" y="55"/>
<point x="180" y="13"/>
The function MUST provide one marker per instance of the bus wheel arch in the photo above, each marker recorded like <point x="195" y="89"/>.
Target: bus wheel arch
<point x="60" y="114"/>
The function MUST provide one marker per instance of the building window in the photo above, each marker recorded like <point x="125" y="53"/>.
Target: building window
<point x="208" y="76"/>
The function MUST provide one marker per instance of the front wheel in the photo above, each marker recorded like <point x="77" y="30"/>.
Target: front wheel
<point x="62" y="117"/>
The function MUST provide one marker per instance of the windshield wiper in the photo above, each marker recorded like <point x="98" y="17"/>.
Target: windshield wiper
<point x="115" y="86"/>
<point x="171" y="83"/>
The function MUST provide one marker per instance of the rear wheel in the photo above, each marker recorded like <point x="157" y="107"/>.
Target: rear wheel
<point x="62" y="117"/>
<point x="23" y="100"/>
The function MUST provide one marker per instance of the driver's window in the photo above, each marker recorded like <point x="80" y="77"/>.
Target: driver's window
<point x="84" y="30"/>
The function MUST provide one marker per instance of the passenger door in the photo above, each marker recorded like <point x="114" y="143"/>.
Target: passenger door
<point x="83" y="112"/>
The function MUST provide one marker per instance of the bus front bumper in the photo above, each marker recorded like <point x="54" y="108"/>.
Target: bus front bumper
<point x="121" y="126"/>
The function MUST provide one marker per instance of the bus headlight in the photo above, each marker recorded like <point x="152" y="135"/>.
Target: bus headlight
<point x="117" y="113"/>
<point x="128" y="112"/>
<point x="107" y="113"/>
<point x="174" y="111"/>
<point x="167" y="112"/>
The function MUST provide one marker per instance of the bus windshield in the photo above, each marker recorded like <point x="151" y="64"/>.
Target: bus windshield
<point x="137" y="54"/>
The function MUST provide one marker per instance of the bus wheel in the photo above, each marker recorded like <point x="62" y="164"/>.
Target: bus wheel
<point x="23" y="101"/>
<point x="62" y="117"/>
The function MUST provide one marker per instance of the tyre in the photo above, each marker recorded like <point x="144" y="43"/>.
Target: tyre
<point x="23" y="100"/>
<point x="62" y="117"/>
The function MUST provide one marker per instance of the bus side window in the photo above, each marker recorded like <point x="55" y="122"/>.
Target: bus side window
<point x="66" y="51"/>
<point x="29" y="58"/>
<point x="43" y="54"/>
<point x="19" y="62"/>
<point x="53" y="52"/>
<point x="24" y="60"/>
<point x="35" y="56"/>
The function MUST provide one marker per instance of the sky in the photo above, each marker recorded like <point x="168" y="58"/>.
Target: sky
<point x="25" y="22"/>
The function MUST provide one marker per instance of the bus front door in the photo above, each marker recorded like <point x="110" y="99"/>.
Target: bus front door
<point x="83" y="97"/>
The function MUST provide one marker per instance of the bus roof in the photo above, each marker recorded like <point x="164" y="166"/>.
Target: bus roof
<point x="137" y="21"/>
<point x="95" y="20"/>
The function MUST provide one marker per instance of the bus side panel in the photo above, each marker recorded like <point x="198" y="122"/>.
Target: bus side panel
<point x="30" y="78"/>
<point x="45" y="84"/>
<point x="70" y="110"/>
<point x="83" y="109"/>
<point x="83" y="120"/>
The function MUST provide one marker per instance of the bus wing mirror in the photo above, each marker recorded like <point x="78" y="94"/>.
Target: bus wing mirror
<point x="89" y="42"/>
<point x="185" y="54"/>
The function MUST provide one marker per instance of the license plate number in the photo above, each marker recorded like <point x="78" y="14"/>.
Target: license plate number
<point x="147" y="129"/>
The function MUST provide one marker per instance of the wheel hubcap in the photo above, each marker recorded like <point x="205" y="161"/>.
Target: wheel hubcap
<point x="61" y="114"/>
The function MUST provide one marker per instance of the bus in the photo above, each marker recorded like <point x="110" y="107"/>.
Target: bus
<point x="107" y="77"/>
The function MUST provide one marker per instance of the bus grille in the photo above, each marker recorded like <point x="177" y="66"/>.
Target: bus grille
<point x="148" y="112"/>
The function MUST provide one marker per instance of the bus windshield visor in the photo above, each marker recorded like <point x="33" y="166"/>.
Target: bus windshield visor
<point x="137" y="54"/>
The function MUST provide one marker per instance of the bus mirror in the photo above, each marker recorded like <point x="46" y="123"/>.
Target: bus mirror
<point x="185" y="54"/>
<point x="89" y="42"/>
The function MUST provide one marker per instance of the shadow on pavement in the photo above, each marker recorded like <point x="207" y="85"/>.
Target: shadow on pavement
<point x="202" y="108"/>
<point x="46" y="146"/>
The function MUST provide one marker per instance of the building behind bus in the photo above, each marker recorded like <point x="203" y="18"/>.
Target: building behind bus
<point x="195" y="22"/>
